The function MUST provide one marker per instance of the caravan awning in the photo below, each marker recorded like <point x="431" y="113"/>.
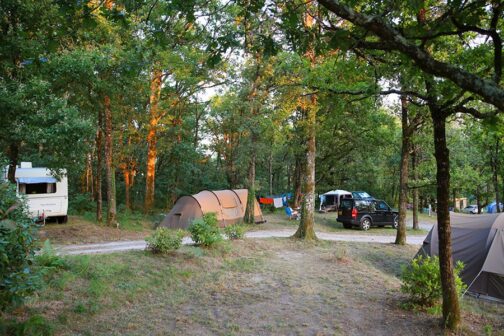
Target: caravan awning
<point x="35" y="180"/>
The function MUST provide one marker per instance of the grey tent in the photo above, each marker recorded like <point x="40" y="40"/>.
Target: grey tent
<point x="228" y="205"/>
<point x="477" y="241"/>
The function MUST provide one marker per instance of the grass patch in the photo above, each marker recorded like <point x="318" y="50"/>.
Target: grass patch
<point x="326" y="222"/>
<point x="249" y="287"/>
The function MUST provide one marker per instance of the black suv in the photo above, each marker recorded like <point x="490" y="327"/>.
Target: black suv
<point x="365" y="213"/>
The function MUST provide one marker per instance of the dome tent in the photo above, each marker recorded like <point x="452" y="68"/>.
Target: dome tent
<point x="477" y="241"/>
<point x="228" y="205"/>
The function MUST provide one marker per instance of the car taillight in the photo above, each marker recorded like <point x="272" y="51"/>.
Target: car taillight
<point x="354" y="213"/>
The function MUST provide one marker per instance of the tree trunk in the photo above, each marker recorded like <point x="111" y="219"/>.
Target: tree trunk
<point x="451" y="308"/>
<point x="288" y="177"/>
<point x="89" y="174"/>
<point x="306" y="225"/>
<point x="478" y="199"/>
<point x="454" y="195"/>
<point x="415" y="190"/>
<point x="127" y="188"/>
<point x="270" y="172"/>
<point x="109" y="166"/>
<point x="404" y="173"/>
<point x="298" y="183"/>
<point x="155" y="94"/>
<point x="249" y="212"/>
<point x="495" y="168"/>
<point x="13" y="162"/>
<point x="99" y="165"/>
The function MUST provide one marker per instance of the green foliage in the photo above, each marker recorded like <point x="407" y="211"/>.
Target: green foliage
<point x="80" y="203"/>
<point x="48" y="260"/>
<point x="34" y="326"/>
<point x="17" y="249"/>
<point x="164" y="240"/>
<point x="235" y="231"/>
<point x="422" y="281"/>
<point x="205" y="231"/>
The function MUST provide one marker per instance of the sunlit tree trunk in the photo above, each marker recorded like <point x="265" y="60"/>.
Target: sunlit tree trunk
<point x="404" y="172"/>
<point x="109" y="165"/>
<point x="155" y="94"/>
<point x="306" y="226"/>
<point x="249" y="212"/>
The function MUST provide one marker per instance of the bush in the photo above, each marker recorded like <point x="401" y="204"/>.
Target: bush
<point x="164" y="240"/>
<point x="17" y="249"/>
<point x="81" y="203"/>
<point x="234" y="231"/>
<point x="205" y="231"/>
<point x="422" y="281"/>
<point x="34" y="326"/>
<point x="48" y="260"/>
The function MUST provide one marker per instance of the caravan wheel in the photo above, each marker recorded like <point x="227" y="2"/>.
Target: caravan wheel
<point x="62" y="219"/>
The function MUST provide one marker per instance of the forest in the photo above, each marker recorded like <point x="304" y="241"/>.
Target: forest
<point x="143" y="102"/>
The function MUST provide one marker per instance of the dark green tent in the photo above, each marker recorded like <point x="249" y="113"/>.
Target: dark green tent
<point x="477" y="241"/>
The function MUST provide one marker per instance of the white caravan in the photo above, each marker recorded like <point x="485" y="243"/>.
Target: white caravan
<point x="45" y="195"/>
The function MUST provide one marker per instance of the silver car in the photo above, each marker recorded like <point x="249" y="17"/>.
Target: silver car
<point x="470" y="209"/>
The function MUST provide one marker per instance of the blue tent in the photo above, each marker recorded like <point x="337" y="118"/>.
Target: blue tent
<point x="492" y="207"/>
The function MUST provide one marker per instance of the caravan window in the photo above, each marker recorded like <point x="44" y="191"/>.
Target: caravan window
<point x="37" y="188"/>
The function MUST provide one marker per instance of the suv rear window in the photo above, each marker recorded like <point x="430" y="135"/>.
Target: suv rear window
<point x="346" y="204"/>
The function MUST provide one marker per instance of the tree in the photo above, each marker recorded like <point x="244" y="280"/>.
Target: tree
<point x="458" y="18"/>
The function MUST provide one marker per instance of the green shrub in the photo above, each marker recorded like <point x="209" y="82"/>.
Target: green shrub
<point x="34" y="326"/>
<point x="17" y="249"/>
<point x="422" y="281"/>
<point x="205" y="231"/>
<point x="164" y="240"/>
<point x="234" y="231"/>
<point x="80" y="203"/>
<point x="48" y="260"/>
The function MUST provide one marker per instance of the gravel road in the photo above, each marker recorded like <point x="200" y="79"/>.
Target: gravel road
<point x="130" y="245"/>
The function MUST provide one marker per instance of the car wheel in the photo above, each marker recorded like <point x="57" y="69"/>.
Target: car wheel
<point x="347" y="225"/>
<point x="365" y="224"/>
<point x="395" y="222"/>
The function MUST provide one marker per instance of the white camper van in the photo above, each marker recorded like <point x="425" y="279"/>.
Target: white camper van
<point x="46" y="196"/>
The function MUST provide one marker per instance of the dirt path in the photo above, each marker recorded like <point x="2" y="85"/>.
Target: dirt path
<point x="112" y="247"/>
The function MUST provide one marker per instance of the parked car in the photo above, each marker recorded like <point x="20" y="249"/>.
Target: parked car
<point x="471" y="209"/>
<point x="365" y="213"/>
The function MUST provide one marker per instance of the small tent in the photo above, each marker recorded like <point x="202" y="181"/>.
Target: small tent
<point x="492" y="207"/>
<point x="228" y="205"/>
<point x="477" y="241"/>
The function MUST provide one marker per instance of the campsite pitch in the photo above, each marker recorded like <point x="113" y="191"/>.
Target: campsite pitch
<point x="250" y="287"/>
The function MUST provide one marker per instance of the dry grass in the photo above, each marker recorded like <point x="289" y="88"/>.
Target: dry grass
<point x="250" y="287"/>
<point x="81" y="230"/>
